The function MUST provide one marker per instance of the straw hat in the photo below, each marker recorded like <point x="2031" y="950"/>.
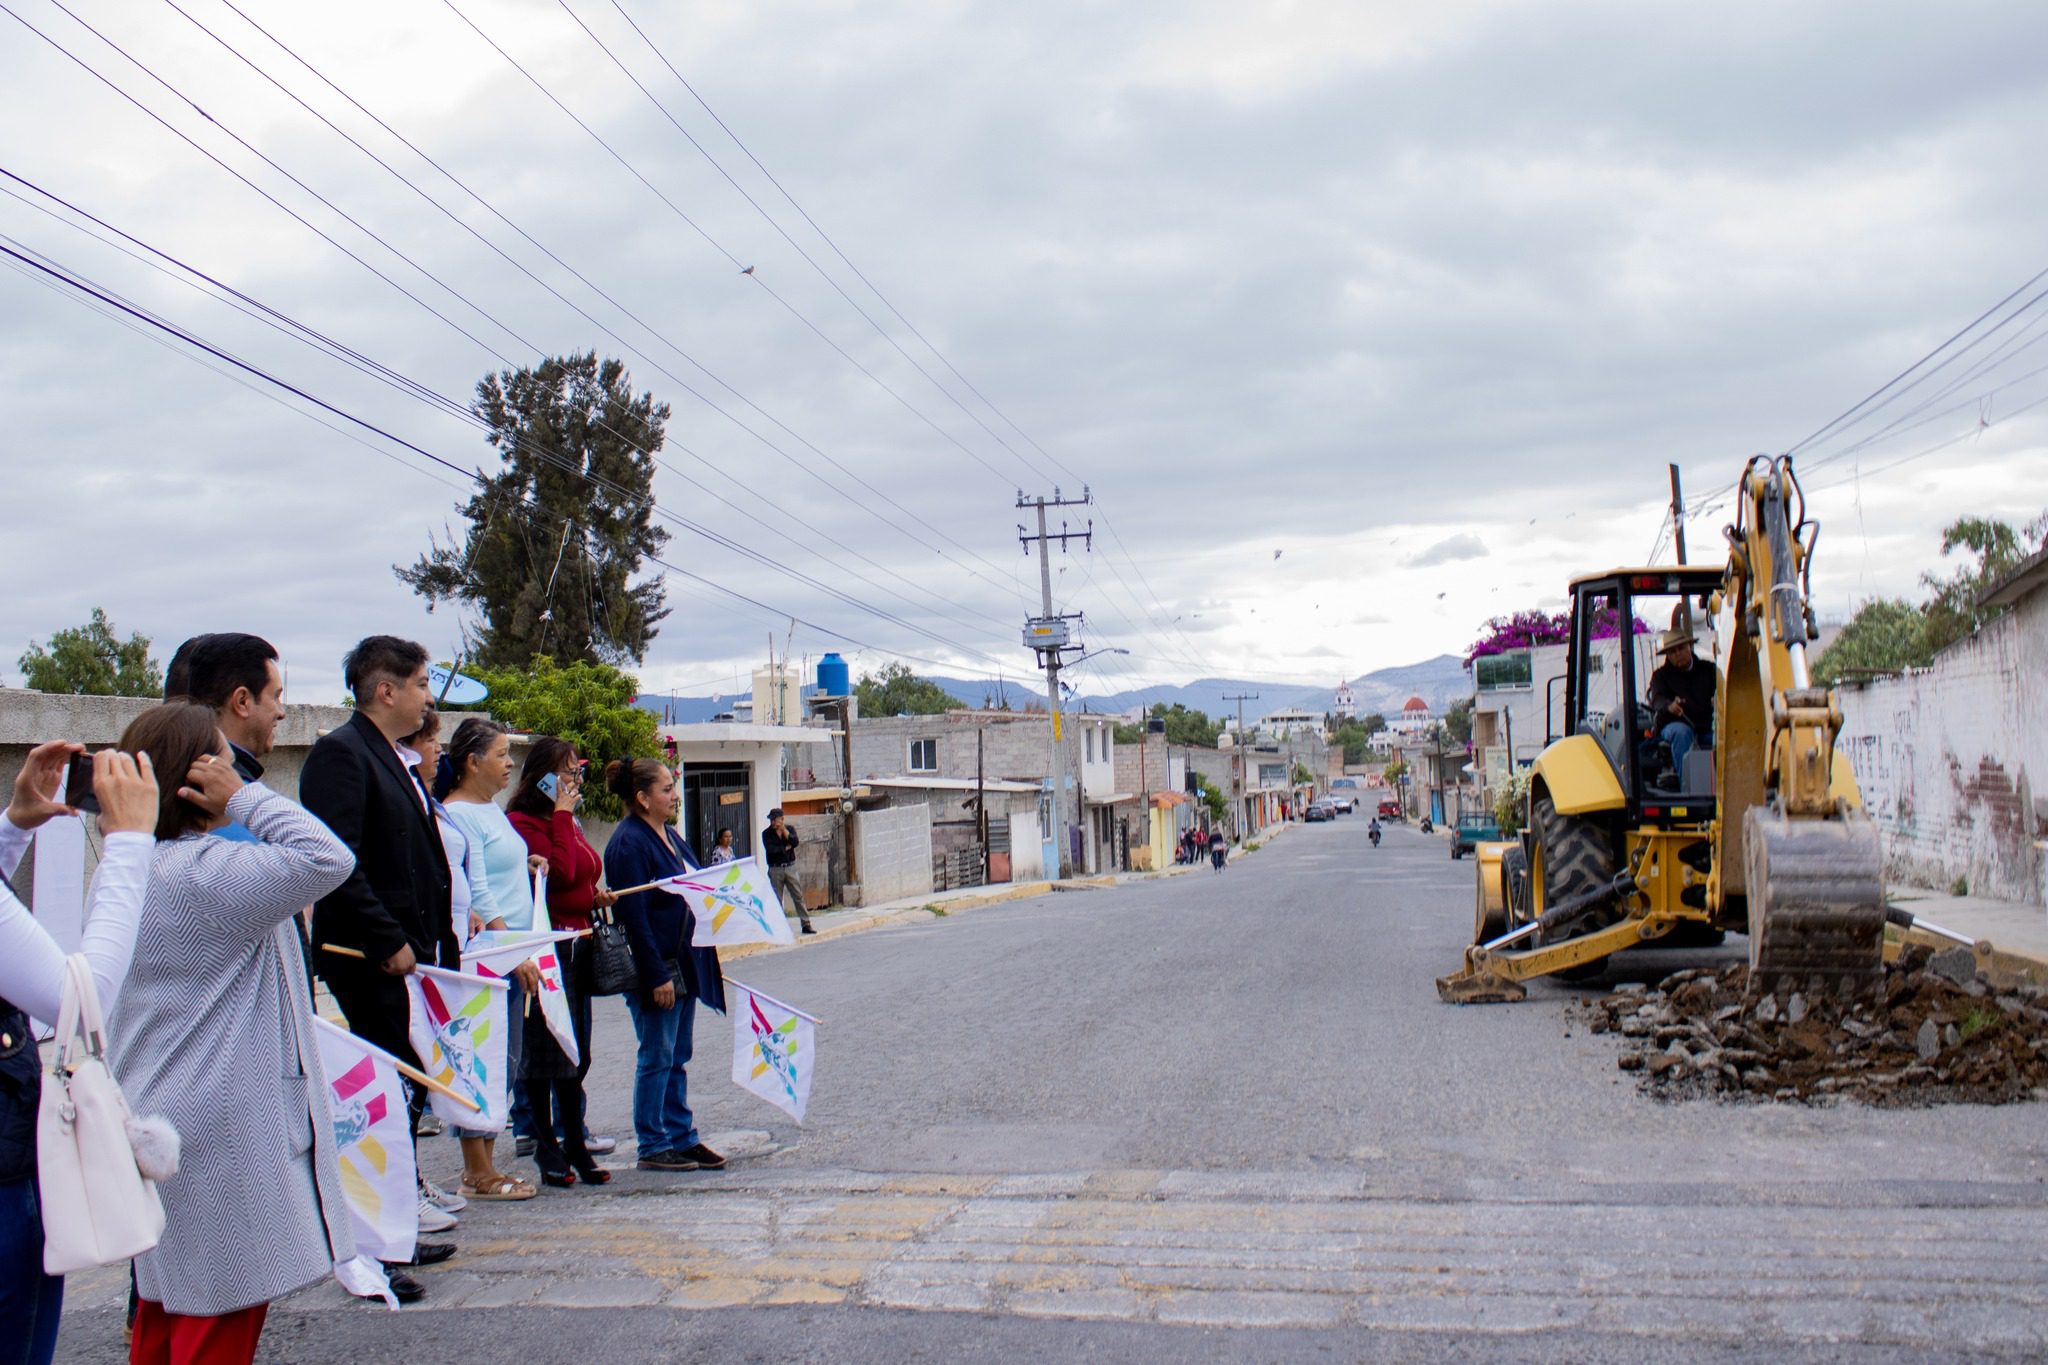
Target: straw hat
<point x="1675" y="639"/>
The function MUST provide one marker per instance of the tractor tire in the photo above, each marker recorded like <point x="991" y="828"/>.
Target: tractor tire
<point x="1576" y="858"/>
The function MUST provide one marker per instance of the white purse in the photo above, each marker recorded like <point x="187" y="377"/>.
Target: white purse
<point x="98" y="1207"/>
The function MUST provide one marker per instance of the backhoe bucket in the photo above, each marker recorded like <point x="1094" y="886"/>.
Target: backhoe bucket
<point x="1479" y="983"/>
<point x="1816" y="896"/>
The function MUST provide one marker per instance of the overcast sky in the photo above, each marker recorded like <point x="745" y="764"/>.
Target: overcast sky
<point x="1363" y="322"/>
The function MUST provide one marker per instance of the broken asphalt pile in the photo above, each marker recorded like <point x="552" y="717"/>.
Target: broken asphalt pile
<point x="1931" y="1032"/>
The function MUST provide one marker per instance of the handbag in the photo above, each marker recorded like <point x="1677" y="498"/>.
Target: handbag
<point x="611" y="958"/>
<point x="98" y="1206"/>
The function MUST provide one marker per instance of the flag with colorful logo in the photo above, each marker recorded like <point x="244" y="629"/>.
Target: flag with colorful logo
<point x="373" y="1139"/>
<point x="554" y="998"/>
<point x="774" y="1047"/>
<point x="458" y="1029"/>
<point x="733" y="903"/>
<point x="498" y="952"/>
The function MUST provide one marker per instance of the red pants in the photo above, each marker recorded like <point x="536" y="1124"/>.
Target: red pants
<point x="173" y="1339"/>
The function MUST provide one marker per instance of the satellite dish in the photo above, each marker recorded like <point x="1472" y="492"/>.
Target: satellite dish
<point x="455" y="689"/>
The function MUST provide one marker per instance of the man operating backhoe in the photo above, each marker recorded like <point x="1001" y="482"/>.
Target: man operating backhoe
<point x="1682" y="698"/>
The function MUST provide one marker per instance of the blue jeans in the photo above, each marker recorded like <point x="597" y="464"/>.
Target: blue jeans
<point x="1679" y="735"/>
<point x="661" y="1091"/>
<point x="515" y="1046"/>
<point x="30" y="1301"/>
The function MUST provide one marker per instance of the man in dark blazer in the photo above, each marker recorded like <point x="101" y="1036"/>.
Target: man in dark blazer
<point x="394" y="909"/>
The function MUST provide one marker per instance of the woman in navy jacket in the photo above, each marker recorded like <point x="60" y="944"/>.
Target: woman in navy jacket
<point x="674" y="977"/>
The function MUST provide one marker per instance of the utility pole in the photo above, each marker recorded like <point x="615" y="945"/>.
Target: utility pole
<point x="1048" y="634"/>
<point x="1677" y="516"/>
<point x="981" y="795"/>
<point x="1244" y="791"/>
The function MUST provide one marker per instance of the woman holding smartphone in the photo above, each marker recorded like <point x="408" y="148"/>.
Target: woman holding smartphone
<point x="543" y="810"/>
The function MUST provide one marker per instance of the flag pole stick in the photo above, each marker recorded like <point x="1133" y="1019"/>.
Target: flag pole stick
<point x="414" y="1074"/>
<point x="340" y="950"/>
<point x="771" y="1000"/>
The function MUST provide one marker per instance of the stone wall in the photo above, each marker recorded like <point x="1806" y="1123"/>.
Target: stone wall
<point x="893" y="853"/>
<point x="1953" y="760"/>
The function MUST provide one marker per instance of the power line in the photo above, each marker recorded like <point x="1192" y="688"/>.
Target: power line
<point x="531" y="275"/>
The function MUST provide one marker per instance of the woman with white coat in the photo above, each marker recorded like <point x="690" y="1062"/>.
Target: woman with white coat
<point x="32" y="984"/>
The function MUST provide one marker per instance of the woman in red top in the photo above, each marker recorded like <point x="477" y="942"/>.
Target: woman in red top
<point x="543" y="810"/>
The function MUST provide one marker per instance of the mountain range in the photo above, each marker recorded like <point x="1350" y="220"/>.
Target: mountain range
<point x="1438" y="681"/>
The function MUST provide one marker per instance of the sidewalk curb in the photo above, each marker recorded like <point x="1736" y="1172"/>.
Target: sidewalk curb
<point x="914" y="910"/>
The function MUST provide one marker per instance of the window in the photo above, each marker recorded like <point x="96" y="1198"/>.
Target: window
<point x="1091" y="742"/>
<point x="1045" y="814"/>
<point x="1503" y="672"/>
<point x="924" y="755"/>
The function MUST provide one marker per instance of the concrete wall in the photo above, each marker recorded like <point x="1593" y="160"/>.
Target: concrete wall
<point x="1953" y="760"/>
<point x="893" y="852"/>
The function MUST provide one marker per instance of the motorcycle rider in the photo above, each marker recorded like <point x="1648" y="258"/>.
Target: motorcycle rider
<point x="1373" y="831"/>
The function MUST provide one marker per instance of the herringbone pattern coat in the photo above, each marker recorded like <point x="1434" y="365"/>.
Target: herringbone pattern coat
<point x="212" y="1030"/>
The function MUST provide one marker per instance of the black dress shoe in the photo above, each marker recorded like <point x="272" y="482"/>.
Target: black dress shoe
<point x="705" y="1158"/>
<point x="404" y="1287"/>
<point x="426" y="1253"/>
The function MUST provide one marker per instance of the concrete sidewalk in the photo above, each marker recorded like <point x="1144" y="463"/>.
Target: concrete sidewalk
<point x="2010" y="926"/>
<point x="838" y="922"/>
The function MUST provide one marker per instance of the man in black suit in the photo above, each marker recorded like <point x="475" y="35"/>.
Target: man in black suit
<point x="394" y="908"/>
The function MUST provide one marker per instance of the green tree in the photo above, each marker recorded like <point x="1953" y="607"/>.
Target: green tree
<point x="89" y="661"/>
<point x="896" y="691"/>
<point x="1213" y="798"/>
<point x="1457" y="721"/>
<point x="1884" y="636"/>
<point x="556" y="536"/>
<point x="1185" y="725"/>
<point x="1952" y="611"/>
<point x="1355" y="736"/>
<point x="589" y="704"/>
<point x="1395" y="771"/>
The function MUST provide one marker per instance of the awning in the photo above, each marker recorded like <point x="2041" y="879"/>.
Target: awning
<point x="1113" y="799"/>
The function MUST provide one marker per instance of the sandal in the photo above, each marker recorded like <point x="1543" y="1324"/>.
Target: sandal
<point x="498" y="1187"/>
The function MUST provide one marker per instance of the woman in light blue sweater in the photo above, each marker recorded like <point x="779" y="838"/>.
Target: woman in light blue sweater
<point x="475" y="766"/>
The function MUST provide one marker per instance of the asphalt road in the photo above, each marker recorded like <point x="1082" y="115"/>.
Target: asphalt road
<point x="1225" y="1116"/>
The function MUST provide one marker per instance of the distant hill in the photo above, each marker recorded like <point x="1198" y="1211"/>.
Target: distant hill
<point x="1438" y="681"/>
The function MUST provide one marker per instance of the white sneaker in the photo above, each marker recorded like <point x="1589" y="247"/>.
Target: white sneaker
<point x="445" y="1200"/>
<point x="434" y="1218"/>
<point x="430" y="1124"/>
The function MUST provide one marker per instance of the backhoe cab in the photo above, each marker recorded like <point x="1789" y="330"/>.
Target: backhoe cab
<point x="1758" y="828"/>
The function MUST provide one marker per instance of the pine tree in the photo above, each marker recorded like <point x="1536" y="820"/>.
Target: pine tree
<point x="556" y="536"/>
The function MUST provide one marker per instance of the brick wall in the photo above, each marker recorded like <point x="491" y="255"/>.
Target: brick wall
<point x="1953" y="760"/>
<point x="893" y="853"/>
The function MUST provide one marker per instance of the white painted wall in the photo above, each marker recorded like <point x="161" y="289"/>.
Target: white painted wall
<point x="1953" y="759"/>
<point x="1027" y="850"/>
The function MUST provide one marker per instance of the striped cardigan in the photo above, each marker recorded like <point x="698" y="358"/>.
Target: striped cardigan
<point x="211" y="1031"/>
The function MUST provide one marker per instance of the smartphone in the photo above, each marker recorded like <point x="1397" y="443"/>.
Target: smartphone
<point x="78" y="793"/>
<point x="549" y="784"/>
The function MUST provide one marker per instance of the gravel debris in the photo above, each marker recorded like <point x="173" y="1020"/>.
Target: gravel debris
<point x="1929" y="1032"/>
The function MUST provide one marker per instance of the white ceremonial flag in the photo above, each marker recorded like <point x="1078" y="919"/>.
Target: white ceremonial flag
<point x="373" y="1137"/>
<point x="774" y="1047"/>
<point x="733" y="902"/>
<point x="458" y="1028"/>
<point x="554" y="998"/>
<point x="498" y="952"/>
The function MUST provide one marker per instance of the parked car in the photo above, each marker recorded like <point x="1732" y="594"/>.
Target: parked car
<point x="1471" y="831"/>
<point x="1344" y="805"/>
<point x="1319" y="810"/>
<point x="1390" y="809"/>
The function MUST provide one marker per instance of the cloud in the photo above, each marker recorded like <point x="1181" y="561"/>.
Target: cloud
<point x="1252" y="283"/>
<point x="1450" y="550"/>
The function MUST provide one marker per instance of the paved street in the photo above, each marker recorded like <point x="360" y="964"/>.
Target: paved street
<point x="1225" y="1117"/>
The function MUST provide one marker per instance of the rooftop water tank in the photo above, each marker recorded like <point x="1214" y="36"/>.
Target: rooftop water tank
<point x="833" y="678"/>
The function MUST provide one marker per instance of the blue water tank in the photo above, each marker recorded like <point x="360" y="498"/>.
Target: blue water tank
<point x="833" y="678"/>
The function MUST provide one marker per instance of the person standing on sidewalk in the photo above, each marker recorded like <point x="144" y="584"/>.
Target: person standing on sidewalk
<point x="779" y="842"/>
<point x="393" y="911"/>
<point x="674" y="977"/>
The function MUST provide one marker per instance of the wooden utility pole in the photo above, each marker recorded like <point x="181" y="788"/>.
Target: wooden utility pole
<point x="1677" y="516"/>
<point x="1244" y="790"/>
<point x="981" y="796"/>
<point x="1048" y="636"/>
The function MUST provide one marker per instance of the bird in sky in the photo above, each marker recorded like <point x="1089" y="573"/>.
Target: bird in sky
<point x="1278" y="553"/>
<point x="748" y="271"/>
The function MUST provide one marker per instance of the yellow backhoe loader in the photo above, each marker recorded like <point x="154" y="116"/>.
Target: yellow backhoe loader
<point x="1760" y="828"/>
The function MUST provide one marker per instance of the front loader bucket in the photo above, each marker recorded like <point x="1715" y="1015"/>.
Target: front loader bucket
<point x="1479" y="983"/>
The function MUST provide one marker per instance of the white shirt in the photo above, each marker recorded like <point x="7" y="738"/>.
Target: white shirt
<point x="31" y="963"/>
